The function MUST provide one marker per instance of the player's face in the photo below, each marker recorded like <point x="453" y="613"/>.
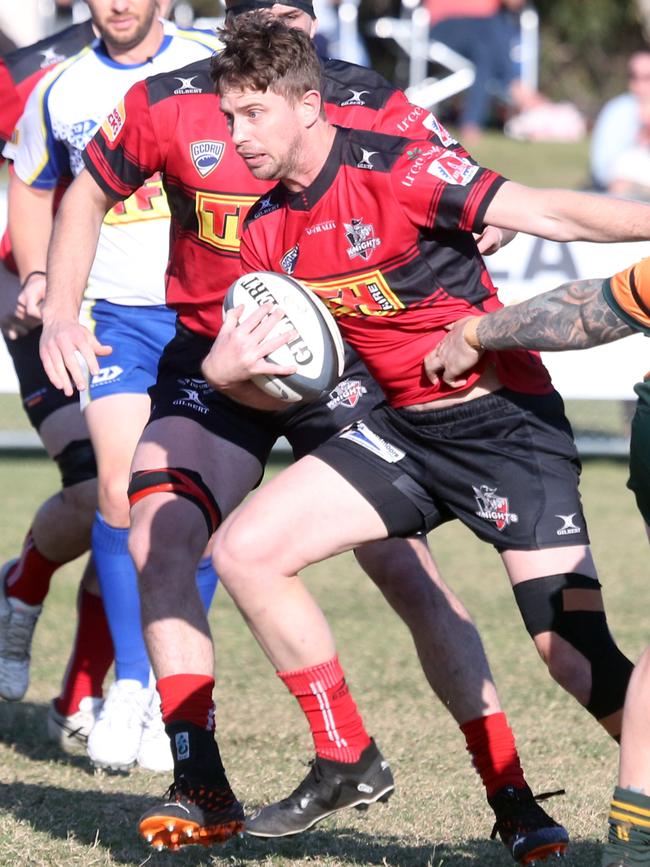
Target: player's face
<point x="123" y="24"/>
<point x="266" y="131"/>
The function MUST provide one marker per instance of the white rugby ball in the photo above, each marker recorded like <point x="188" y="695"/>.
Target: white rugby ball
<point x="318" y="352"/>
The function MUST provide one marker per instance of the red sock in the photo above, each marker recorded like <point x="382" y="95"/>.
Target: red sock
<point x="29" y="578"/>
<point x="491" y="744"/>
<point x="335" y="723"/>
<point x="187" y="697"/>
<point x="92" y="655"/>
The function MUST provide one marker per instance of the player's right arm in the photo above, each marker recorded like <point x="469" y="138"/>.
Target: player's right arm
<point x="70" y="257"/>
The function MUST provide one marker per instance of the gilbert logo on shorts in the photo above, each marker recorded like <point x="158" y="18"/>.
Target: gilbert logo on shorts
<point x="192" y="399"/>
<point x="493" y="507"/>
<point x="568" y="527"/>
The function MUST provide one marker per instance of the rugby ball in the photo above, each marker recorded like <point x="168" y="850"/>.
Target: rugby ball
<point x="317" y="352"/>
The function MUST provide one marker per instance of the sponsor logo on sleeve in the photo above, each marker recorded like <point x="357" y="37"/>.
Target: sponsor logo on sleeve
<point x="453" y="169"/>
<point x="206" y="155"/>
<point x="432" y="123"/>
<point x="362" y="239"/>
<point x="360" y="433"/>
<point x="418" y="159"/>
<point x="415" y="113"/>
<point x="114" y="122"/>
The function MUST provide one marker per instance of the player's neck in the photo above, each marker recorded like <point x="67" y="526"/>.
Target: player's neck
<point x="317" y="146"/>
<point x="143" y="51"/>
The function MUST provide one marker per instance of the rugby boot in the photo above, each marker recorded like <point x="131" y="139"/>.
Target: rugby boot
<point x="328" y="787"/>
<point x="115" y="738"/>
<point x="527" y="832"/>
<point x="193" y="813"/>
<point x="17" y="624"/>
<point x="71" y="732"/>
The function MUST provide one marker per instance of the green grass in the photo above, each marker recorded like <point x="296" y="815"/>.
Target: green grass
<point x="55" y="811"/>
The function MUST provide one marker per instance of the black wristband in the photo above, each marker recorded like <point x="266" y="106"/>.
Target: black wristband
<point x="29" y="277"/>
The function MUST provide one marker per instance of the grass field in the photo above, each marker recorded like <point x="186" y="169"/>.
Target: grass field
<point x="55" y="811"/>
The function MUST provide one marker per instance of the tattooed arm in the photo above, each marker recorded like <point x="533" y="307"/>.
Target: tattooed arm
<point x="573" y="316"/>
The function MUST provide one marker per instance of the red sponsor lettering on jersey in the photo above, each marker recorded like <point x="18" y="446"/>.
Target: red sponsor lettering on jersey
<point x="362" y="295"/>
<point x="220" y="217"/>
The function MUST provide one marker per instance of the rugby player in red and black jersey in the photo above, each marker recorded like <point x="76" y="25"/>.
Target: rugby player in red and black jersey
<point x="497" y="453"/>
<point x="170" y="123"/>
<point x="60" y="530"/>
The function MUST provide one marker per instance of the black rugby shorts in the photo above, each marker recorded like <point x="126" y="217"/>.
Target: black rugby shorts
<point x="505" y="464"/>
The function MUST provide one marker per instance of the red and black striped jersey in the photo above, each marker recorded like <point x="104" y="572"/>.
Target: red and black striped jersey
<point x="172" y="124"/>
<point x="384" y="236"/>
<point x="22" y="69"/>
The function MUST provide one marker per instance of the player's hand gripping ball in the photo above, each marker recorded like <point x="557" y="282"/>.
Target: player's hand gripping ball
<point x="317" y="352"/>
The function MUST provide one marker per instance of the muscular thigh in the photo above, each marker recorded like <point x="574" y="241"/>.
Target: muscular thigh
<point x="229" y="470"/>
<point x="305" y="514"/>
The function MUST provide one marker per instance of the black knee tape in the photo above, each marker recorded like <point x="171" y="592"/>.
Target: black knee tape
<point x="77" y="463"/>
<point x="571" y="605"/>
<point x="182" y="482"/>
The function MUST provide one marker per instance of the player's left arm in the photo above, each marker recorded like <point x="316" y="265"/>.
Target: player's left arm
<point x="568" y="215"/>
<point x="575" y="315"/>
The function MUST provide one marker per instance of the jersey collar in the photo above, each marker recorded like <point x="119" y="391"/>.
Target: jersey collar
<point x="308" y="198"/>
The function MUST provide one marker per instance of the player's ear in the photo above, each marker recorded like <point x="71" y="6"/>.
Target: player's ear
<point x="310" y="106"/>
<point x="313" y="28"/>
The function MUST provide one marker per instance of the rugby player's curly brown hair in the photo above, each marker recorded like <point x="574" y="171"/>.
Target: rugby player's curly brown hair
<point x="262" y="53"/>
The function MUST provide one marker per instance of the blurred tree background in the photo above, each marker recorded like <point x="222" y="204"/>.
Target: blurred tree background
<point x="584" y="47"/>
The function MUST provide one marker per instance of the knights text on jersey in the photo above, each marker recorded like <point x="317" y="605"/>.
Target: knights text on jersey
<point x="61" y="117"/>
<point x="172" y="123"/>
<point x="384" y="237"/>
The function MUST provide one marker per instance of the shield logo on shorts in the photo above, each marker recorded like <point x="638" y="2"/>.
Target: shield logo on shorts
<point x="494" y="507"/>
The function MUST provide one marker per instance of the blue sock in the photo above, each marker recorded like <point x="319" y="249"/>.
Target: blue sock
<point x="206" y="580"/>
<point x="119" y="585"/>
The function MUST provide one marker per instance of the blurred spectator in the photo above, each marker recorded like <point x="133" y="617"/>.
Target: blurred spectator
<point x="485" y="32"/>
<point x="620" y="145"/>
<point x="334" y="41"/>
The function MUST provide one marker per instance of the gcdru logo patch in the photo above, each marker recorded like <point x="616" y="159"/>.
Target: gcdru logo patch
<point x="206" y="155"/>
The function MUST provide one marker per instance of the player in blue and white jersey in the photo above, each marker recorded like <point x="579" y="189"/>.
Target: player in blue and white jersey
<point x="124" y="307"/>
